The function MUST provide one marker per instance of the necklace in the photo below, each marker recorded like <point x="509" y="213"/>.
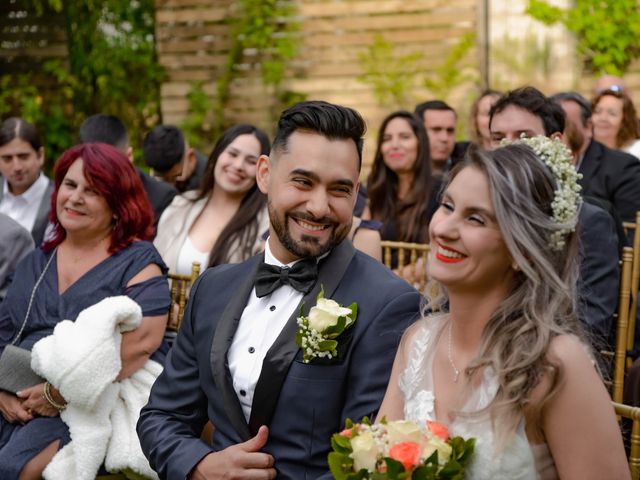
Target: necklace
<point x="453" y="365"/>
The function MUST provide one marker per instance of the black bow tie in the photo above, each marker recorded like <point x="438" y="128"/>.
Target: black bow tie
<point x="301" y="276"/>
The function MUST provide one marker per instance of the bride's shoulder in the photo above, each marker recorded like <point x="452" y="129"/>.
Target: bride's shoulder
<point x="573" y="360"/>
<point x="569" y="352"/>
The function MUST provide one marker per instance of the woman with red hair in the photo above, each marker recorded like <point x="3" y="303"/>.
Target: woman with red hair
<point x="99" y="248"/>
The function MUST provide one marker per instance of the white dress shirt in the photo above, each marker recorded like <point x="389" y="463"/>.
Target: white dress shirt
<point x="260" y="324"/>
<point x="24" y="208"/>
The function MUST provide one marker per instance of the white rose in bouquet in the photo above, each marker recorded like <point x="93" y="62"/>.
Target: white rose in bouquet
<point x="365" y="452"/>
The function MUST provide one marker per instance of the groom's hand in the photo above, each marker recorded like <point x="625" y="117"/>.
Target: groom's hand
<point x="243" y="461"/>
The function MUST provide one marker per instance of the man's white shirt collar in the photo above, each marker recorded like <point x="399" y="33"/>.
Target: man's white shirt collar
<point x="33" y="193"/>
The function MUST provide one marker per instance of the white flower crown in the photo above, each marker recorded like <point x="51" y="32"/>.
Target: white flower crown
<point x="567" y="199"/>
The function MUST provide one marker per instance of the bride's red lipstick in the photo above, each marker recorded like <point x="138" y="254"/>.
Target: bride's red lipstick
<point x="446" y="259"/>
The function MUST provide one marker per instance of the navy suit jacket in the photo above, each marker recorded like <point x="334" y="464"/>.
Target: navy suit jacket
<point x="599" y="272"/>
<point x="613" y="176"/>
<point x="303" y="404"/>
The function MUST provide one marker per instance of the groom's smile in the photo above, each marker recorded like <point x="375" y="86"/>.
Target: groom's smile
<point x="310" y="205"/>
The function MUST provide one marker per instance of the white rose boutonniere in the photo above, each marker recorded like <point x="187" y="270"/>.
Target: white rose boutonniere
<point x="326" y="320"/>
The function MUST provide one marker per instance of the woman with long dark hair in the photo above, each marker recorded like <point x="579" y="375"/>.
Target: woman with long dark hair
<point x="400" y="186"/>
<point x="224" y="220"/>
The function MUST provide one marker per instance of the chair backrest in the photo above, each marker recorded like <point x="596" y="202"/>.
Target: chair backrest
<point x="407" y="260"/>
<point x="635" y="280"/>
<point x="180" y="286"/>
<point x="632" y="413"/>
<point x="622" y="325"/>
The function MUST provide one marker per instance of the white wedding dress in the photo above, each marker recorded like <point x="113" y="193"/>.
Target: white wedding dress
<point x="518" y="461"/>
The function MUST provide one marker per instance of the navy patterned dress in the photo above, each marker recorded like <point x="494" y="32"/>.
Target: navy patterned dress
<point x="20" y="443"/>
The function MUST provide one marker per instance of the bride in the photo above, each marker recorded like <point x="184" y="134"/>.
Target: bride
<point x="506" y="364"/>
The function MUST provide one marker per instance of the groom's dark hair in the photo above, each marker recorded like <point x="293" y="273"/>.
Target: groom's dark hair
<point x="334" y="122"/>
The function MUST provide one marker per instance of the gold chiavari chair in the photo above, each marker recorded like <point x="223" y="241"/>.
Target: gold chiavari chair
<point x="633" y="414"/>
<point x="635" y="279"/>
<point x="180" y="286"/>
<point x="622" y="325"/>
<point x="411" y="261"/>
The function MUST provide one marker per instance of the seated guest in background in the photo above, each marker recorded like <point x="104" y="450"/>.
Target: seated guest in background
<point x="402" y="192"/>
<point x="507" y="362"/>
<point x="527" y="111"/>
<point x="615" y="121"/>
<point x="109" y="129"/>
<point x="167" y="152"/>
<point x="25" y="192"/>
<point x="15" y="243"/>
<point x="479" y="119"/>
<point x="440" y="123"/>
<point x="610" y="175"/>
<point x="98" y="249"/>
<point x="273" y="413"/>
<point x="224" y="220"/>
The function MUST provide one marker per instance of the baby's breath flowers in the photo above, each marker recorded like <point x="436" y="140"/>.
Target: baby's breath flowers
<point x="326" y="321"/>
<point x="567" y="199"/>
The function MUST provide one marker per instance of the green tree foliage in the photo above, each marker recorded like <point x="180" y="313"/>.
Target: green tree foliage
<point x="111" y="68"/>
<point x="607" y="31"/>
<point x="392" y="76"/>
<point x="263" y="33"/>
<point x="451" y="72"/>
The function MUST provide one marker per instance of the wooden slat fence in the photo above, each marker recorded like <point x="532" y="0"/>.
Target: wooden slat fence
<point x="193" y="42"/>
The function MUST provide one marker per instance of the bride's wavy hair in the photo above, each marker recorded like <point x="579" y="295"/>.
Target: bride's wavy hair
<point x="542" y="302"/>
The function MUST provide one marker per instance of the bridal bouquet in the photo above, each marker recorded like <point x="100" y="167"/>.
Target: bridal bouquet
<point x="398" y="450"/>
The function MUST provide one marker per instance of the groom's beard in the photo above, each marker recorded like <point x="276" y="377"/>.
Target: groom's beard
<point x="307" y="245"/>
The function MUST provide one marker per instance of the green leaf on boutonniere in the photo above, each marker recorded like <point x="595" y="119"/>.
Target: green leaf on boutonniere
<point x="337" y="329"/>
<point x="327" y="345"/>
<point x="354" y="312"/>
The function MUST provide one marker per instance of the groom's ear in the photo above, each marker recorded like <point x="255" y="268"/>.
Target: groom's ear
<point x="263" y="172"/>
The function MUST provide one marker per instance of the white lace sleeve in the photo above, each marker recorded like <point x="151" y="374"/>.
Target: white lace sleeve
<point x="414" y="381"/>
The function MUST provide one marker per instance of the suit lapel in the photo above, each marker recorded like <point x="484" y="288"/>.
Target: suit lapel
<point x="281" y="354"/>
<point x="223" y="337"/>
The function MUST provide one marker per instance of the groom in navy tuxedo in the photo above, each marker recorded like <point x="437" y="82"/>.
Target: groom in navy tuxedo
<point x="235" y="361"/>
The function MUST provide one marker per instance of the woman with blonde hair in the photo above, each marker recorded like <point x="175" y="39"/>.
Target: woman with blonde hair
<point x="501" y="358"/>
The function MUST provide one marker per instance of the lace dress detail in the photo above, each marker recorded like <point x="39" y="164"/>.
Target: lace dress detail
<point x="518" y="461"/>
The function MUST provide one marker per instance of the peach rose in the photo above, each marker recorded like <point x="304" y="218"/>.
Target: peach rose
<point x="407" y="453"/>
<point x="438" y="429"/>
